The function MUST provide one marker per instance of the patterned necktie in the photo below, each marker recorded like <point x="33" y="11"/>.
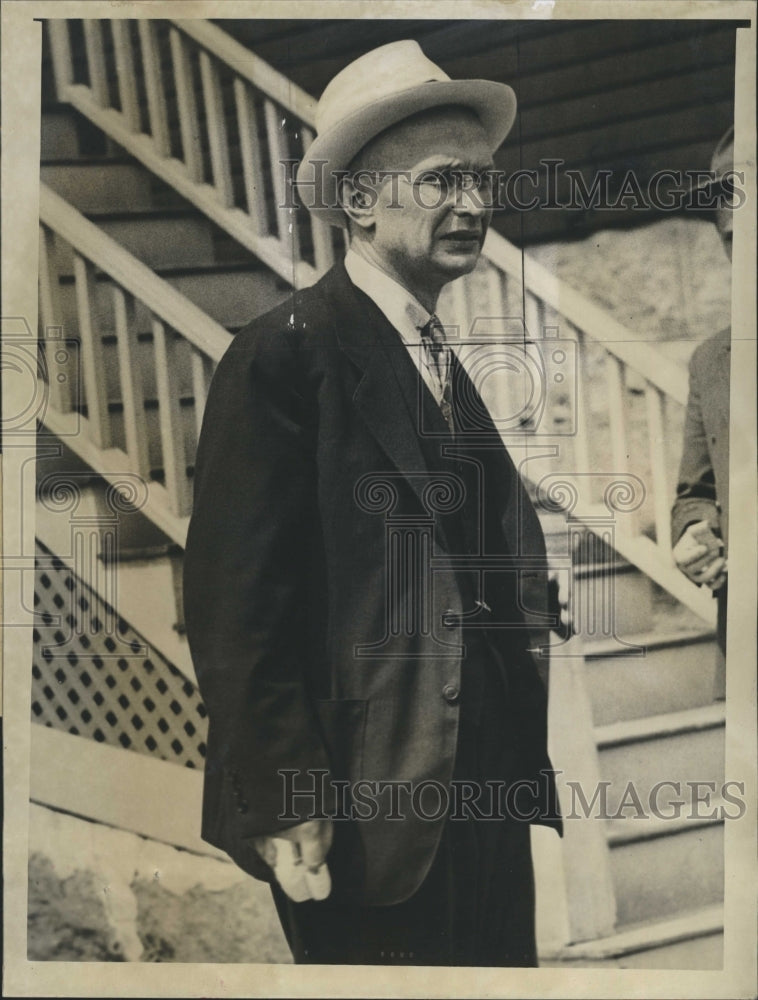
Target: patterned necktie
<point x="438" y="355"/>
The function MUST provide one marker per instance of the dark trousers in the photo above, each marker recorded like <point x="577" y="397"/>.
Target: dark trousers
<point x="476" y="905"/>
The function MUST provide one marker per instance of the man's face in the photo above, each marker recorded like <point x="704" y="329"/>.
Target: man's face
<point x="436" y="233"/>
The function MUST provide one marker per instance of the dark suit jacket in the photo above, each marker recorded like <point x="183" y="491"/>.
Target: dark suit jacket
<point x="286" y="588"/>
<point x="702" y="492"/>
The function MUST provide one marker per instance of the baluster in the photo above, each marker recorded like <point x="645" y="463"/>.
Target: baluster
<point x="534" y="316"/>
<point x="202" y="370"/>
<point x="170" y="418"/>
<point x="618" y="430"/>
<point x="252" y="165"/>
<point x="659" y="472"/>
<point x="93" y="368"/>
<point x="93" y="42"/>
<point x="187" y="106"/>
<point x="323" y="247"/>
<point x="156" y="94"/>
<point x="278" y="151"/>
<point x="218" y="141"/>
<point x="126" y="74"/>
<point x="130" y="374"/>
<point x="60" y="372"/>
<point x="581" y="438"/>
<point x="60" y="52"/>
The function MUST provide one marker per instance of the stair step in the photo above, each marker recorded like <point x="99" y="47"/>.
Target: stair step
<point x="692" y="940"/>
<point x="617" y="593"/>
<point x="143" y="553"/>
<point x="159" y="238"/>
<point x="675" y="673"/>
<point x="666" y="724"/>
<point x="100" y="185"/>
<point x="666" y="876"/>
<point x="186" y="433"/>
<point x="135" y="530"/>
<point x="143" y="355"/>
<point x="682" y="747"/>
<point x="59" y="137"/>
<point x="232" y="295"/>
<point x="662" y="875"/>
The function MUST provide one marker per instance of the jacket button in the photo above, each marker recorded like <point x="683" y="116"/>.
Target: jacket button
<point x="242" y="806"/>
<point x="451" y="693"/>
<point x="448" y="619"/>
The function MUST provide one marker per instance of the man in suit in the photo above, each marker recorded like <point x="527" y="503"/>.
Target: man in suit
<point x="700" y="515"/>
<point x="364" y="676"/>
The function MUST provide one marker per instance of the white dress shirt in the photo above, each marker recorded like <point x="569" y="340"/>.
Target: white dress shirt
<point x="404" y="312"/>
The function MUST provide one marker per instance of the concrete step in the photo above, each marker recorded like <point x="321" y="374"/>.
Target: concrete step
<point x="691" y="940"/>
<point x="663" y="867"/>
<point x="158" y="238"/>
<point x="681" y="747"/>
<point x="675" y="673"/>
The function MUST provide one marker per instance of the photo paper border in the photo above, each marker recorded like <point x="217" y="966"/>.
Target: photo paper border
<point x="21" y="48"/>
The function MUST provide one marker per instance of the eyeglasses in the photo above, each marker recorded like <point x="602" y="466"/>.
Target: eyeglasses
<point x="454" y="182"/>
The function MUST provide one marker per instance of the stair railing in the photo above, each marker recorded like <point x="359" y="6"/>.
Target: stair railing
<point x="115" y="297"/>
<point x="208" y="117"/>
<point x="216" y="122"/>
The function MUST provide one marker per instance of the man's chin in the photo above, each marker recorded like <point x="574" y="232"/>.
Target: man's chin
<point x="455" y="264"/>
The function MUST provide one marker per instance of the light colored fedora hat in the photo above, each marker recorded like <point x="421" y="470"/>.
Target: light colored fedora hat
<point x="380" y="89"/>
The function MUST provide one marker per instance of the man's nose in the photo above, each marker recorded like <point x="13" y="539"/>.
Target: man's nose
<point x="471" y="201"/>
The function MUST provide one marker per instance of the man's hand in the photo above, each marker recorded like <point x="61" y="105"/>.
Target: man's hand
<point x="298" y="858"/>
<point x="699" y="555"/>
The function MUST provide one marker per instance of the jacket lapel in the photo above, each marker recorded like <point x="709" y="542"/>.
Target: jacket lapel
<point x="390" y="398"/>
<point x="386" y="395"/>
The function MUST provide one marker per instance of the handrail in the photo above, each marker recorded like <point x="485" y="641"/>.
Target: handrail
<point x="131" y="302"/>
<point x="251" y="68"/>
<point x="589" y="317"/>
<point x="158" y="295"/>
<point x="575" y="307"/>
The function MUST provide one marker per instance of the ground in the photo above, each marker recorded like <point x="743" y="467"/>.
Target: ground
<point x="99" y="894"/>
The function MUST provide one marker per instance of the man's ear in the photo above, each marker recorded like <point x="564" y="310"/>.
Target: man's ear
<point x="358" y="201"/>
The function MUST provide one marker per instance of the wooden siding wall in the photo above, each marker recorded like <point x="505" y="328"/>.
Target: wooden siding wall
<point x="599" y="95"/>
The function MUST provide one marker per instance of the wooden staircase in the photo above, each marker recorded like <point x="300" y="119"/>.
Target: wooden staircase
<point x="649" y="716"/>
<point x="641" y="714"/>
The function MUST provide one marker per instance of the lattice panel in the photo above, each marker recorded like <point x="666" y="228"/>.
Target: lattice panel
<point x="112" y="688"/>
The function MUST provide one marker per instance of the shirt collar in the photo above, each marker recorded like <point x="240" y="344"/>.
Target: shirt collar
<point x="403" y="310"/>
